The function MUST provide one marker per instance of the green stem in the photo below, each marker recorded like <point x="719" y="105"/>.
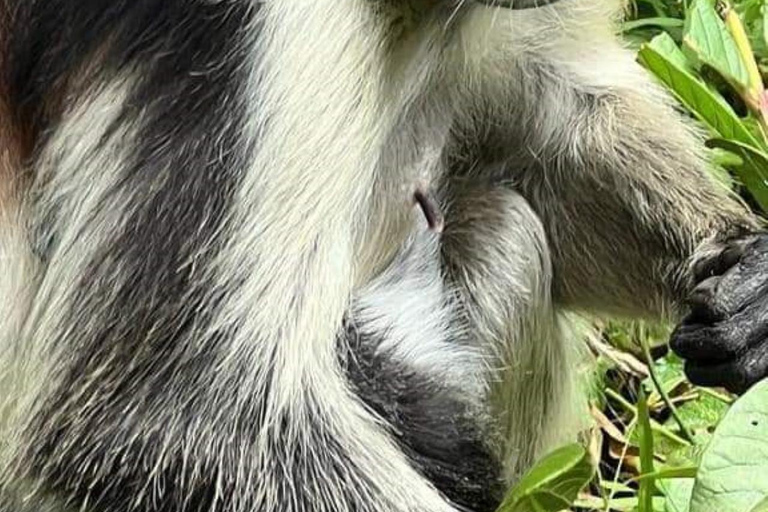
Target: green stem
<point x="628" y="432"/>
<point x="645" y="491"/>
<point x="714" y="394"/>
<point x="656" y="426"/>
<point x="684" y="429"/>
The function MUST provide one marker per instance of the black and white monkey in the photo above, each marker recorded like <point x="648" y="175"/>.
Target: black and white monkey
<point x="217" y="294"/>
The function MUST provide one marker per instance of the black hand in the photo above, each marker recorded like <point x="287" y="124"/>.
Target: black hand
<point x="724" y="339"/>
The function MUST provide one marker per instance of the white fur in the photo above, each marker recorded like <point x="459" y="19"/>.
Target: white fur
<point x="420" y="316"/>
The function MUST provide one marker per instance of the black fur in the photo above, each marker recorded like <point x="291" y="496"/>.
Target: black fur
<point x="189" y="59"/>
<point x="438" y="430"/>
<point x="188" y="54"/>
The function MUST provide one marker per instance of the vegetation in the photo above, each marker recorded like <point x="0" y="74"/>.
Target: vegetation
<point x="660" y="443"/>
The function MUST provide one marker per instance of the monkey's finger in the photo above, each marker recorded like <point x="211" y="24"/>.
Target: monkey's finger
<point x="706" y="344"/>
<point x="720" y="262"/>
<point x="748" y="279"/>
<point x="705" y="303"/>
<point x="737" y="375"/>
<point x="709" y="343"/>
<point x="743" y="286"/>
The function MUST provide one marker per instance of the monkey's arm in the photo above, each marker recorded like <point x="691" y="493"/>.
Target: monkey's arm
<point x="633" y="218"/>
<point x="616" y="176"/>
<point x="634" y="223"/>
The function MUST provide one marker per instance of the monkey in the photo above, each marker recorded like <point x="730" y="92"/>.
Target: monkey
<point x="268" y="255"/>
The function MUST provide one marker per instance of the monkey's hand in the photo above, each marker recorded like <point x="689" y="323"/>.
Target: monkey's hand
<point x="724" y="339"/>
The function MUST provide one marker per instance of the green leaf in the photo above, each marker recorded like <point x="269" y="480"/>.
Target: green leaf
<point x="765" y="25"/>
<point x="761" y="507"/>
<point x="733" y="476"/>
<point x="665" y="60"/>
<point x="669" y="372"/>
<point x="723" y="158"/>
<point x="615" y="487"/>
<point x="553" y="483"/>
<point x="754" y="169"/>
<point x="678" y="494"/>
<point x="708" y="38"/>
<point x="749" y="10"/>
<point x="667" y="47"/>
<point x="652" y="22"/>
<point x="703" y="413"/>
<point x="752" y="15"/>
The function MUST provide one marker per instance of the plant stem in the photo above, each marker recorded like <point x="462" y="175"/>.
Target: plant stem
<point x="628" y="433"/>
<point x="645" y="492"/>
<point x="719" y="396"/>
<point x="656" y="426"/>
<point x="684" y="430"/>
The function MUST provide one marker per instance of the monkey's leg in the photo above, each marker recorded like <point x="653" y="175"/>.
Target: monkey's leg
<point x="496" y="253"/>
<point x="621" y="186"/>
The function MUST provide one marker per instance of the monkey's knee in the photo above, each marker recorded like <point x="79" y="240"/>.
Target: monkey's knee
<point x="495" y="250"/>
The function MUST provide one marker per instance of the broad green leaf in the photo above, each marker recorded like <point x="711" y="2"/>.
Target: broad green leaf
<point x="733" y="476"/>
<point x="753" y="125"/>
<point x="754" y="169"/>
<point x="678" y="494"/>
<point x="708" y="38"/>
<point x="553" y="483"/>
<point x="668" y="64"/>
<point x="667" y="47"/>
<point x="761" y="507"/>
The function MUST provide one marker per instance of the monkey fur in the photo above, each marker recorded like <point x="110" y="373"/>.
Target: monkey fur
<point x="219" y="295"/>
